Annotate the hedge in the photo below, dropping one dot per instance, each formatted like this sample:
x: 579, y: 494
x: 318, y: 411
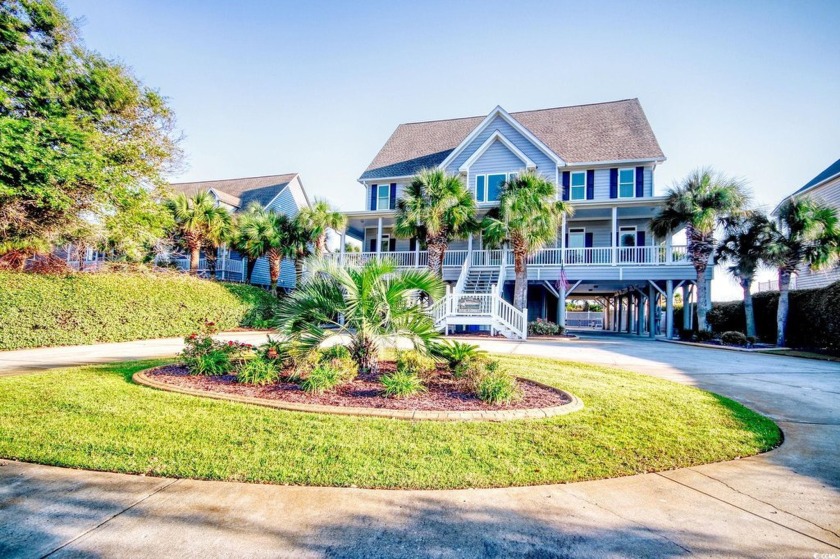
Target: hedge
x: 813, y: 318
x: 53, y: 310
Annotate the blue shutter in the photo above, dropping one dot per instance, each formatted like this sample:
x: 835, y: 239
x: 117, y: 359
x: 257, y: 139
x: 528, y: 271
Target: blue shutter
x: 588, y: 239
x: 614, y: 182
x: 565, y: 185
x: 590, y: 184
x: 393, y: 196
x: 640, y: 182
x: 373, y: 245
x: 373, y: 197
x: 412, y: 244
x: 392, y: 245
x: 640, y: 242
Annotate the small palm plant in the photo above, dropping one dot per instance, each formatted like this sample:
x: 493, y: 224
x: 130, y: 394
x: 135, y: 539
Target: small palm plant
x: 744, y: 249
x: 805, y: 233
x: 377, y: 304
x: 702, y: 202
x: 195, y: 218
x: 320, y: 218
x: 436, y: 208
x: 527, y: 218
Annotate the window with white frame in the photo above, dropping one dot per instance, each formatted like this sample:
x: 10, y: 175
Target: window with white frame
x: 578, y: 191
x: 577, y: 238
x: 488, y: 188
x: 385, y: 243
x: 626, y: 183
x: 383, y: 197
x: 626, y: 237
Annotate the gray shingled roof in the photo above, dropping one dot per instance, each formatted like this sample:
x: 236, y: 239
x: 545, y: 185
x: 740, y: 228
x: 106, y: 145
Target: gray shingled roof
x: 829, y: 172
x: 244, y: 191
x: 614, y: 131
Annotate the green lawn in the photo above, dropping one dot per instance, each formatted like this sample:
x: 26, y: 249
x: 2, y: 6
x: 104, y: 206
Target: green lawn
x: 96, y: 418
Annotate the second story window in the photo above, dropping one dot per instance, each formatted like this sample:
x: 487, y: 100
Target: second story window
x: 578, y: 191
x: 488, y: 188
x: 383, y: 197
x: 626, y: 183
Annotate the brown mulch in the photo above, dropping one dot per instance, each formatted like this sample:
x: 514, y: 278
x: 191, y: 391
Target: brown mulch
x: 444, y: 392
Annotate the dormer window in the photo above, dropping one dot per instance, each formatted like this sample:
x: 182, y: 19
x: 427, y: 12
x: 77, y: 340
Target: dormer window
x: 578, y: 191
x: 488, y: 188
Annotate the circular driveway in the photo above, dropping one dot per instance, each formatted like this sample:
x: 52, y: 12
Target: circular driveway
x: 781, y: 504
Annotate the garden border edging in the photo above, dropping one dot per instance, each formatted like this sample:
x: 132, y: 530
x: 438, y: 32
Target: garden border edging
x: 576, y: 404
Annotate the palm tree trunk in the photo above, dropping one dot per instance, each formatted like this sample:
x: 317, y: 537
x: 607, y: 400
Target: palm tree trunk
x: 211, y: 261
x: 252, y: 263
x: 81, y: 252
x: 273, y: 268
x: 195, y: 254
x: 520, y: 286
x: 298, y: 271
x: 321, y: 245
x: 701, y: 301
x: 782, y: 312
x: 436, y: 250
x: 749, y: 314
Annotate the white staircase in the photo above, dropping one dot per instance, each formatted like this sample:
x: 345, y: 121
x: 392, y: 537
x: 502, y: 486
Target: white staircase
x: 477, y: 300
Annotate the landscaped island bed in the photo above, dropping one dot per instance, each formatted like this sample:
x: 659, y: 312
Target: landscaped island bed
x: 365, y: 391
x: 95, y: 418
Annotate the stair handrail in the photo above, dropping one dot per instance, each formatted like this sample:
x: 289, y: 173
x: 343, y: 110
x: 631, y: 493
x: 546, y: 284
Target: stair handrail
x: 511, y: 317
x: 462, y: 277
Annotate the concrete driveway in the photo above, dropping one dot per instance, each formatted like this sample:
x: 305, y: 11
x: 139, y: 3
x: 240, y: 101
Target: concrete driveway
x: 785, y: 503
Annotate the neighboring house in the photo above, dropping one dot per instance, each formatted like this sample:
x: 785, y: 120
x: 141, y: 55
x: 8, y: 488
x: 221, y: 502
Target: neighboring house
x: 826, y: 188
x: 601, y: 156
x: 281, y: 193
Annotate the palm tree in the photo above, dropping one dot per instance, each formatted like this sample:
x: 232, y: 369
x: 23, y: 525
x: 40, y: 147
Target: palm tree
x: 805, y: 232
x: 194, y: 219
x: 319, y: 219
x: 704, y: 200
x: 377, y: 303
x: 527, y: 218
x: 244, y: 238
x: 745, y: 249
x: 219, y: 231
x: 263, y: 233
x: 436, y: 208
x: 297, y: 243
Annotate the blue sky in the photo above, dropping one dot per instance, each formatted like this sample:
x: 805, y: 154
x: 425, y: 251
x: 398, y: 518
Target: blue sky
x: 264, y: 87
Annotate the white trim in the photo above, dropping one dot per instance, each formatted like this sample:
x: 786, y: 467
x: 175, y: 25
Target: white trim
x: 571, y: 185
x: 633, y: 184
x: 576, y: 230
x: 626, y: 229
x: 487, y: 185
x: 497, y: 137
x: 614, y: 162
x: 499, y: 111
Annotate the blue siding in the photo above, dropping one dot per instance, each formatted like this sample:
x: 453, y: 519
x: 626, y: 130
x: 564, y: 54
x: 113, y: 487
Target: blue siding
x: 544, y: 163
x: 497, y: 159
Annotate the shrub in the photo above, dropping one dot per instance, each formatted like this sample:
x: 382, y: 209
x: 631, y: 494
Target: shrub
x: 751, y: 341
x: 733, y: 338
x: 540, y: 327
x: 321, y: 379
x: 401, y: 384
x: 338, y: 357
x: 455, y: 353
x: 686, y: 334
x: 704, y: 335
x: 414, y: 363
x: 81, y: 308
x: 276, y: 351
x: 473, y: 367
x: 257, y: 371
x: 497, y: 387
x: 813, y: 319
x: 202, y: 355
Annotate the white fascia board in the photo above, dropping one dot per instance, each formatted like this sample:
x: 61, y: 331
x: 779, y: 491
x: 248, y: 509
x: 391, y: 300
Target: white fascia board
x: 499, y: 111
x: 497, y: 137
x: 610, y: 163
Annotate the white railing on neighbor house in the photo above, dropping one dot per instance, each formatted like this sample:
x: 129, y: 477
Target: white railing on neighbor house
x: 769, y: 285
x: 89, y: 265
x: 658, y: 255
x: 231, y: 269
x: 586, y: 319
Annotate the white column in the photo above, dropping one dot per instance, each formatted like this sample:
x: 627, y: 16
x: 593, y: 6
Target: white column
x: 669, y: 252
x: 342, y: 247
x: 470, y: 248
x: 669, y: 309
x: 686, y: 307
x: 651, y: 311
x: 563, y: 234
x: 614, y: 239
x: 378, y: 237
x: 561, y: 306
x: 416, y: 253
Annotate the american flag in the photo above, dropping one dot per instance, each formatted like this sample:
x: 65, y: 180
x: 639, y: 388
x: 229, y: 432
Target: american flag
x: 562, y: 282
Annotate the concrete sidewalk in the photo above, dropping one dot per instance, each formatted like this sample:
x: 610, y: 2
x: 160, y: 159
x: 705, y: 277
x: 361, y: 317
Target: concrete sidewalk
x: 785, y: 503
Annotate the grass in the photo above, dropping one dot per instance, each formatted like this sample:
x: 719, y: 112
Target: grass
x: 95, y: 418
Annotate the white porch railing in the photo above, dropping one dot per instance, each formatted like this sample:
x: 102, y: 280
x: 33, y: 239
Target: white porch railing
x: 657, y: 255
